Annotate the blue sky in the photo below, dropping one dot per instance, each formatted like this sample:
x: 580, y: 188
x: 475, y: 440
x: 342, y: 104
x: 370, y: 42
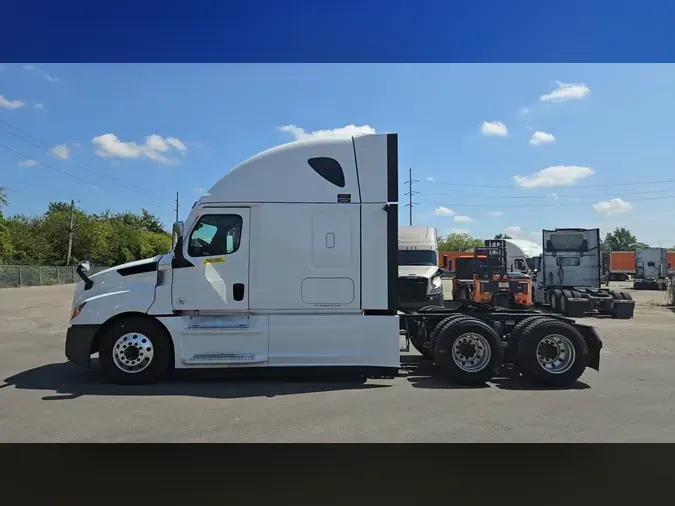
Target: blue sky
x: 610, y: 125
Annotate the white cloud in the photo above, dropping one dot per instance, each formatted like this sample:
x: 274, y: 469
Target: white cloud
x: 199, y: 190
x: 431, y: 179
x: 496, y: 213
x: 155, y: 145
x: 523, y: 111
x: 444, y: 211
x: 535, y: 237
x: 38, y: 105
x: 494, y: 128
x: 177, y: 144
x: 61, y: 151
x: 28, y: 163
x: 459, y: 231
x: 552, y: 195
x: 566, y: 91
x: 614, y: 206
x: 539, y: 138
x: 10, y: 104
x: 463, y: 219
x: 49, y: 78
x: 558, y: 175
x: 513, y: 231
x: 347, y: 131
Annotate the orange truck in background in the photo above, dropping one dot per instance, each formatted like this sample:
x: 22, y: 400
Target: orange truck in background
x: 452, y: 257
x: 622, y: 264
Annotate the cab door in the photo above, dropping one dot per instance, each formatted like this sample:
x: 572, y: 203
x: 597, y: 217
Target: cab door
x: 211, y: 290
x: 214, y: 278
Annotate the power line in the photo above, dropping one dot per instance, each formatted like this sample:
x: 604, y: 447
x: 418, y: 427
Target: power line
x: 597, y: 195
x: 546, y: 205
x: 64, y: 172
x: 513, y: 187
x: 69, y: 159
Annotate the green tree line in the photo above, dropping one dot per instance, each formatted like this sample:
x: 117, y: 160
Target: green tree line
x: 105, y: 239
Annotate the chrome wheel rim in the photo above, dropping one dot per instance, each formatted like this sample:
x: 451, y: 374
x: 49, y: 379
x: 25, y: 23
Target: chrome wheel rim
x: 471, y: 352
x: 133, y: 352
x: 555, y: 354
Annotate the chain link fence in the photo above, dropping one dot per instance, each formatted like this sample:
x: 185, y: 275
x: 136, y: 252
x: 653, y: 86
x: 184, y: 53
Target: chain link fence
x: 40, y: 275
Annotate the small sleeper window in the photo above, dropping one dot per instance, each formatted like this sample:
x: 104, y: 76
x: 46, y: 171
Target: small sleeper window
x: 329, y: 169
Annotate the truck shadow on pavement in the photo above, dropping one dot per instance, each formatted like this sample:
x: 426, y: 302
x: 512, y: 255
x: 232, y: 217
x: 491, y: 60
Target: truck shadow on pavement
x: 70, y: 382
x: 421, y: 374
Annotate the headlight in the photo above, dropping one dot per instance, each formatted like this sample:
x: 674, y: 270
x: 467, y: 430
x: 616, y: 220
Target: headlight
x: 436, y: 286
x: 77, y: 310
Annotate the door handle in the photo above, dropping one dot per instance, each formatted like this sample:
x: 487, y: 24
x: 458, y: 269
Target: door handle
x: 238, y: 291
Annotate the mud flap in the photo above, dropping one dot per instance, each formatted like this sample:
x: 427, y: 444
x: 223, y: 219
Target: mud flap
x: 594, y: 345
x: 623, y: 309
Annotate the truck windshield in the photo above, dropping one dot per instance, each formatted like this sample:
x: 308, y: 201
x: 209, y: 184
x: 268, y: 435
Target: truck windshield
x: 417, y: 257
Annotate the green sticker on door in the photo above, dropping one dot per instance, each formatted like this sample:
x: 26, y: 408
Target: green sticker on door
x: 218, y: 260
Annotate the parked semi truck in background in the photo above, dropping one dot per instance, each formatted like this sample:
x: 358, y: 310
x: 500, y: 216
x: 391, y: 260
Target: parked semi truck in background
x: 622, y: 265
x: 220, y: 300
x: 569, y: 273
x: 651, y: 269
x: 419, y: 276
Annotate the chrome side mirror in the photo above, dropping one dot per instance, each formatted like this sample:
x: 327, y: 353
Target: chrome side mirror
x: 177, y: 233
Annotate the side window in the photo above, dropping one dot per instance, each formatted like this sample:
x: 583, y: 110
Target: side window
x: 520, y: 265
x: 215, y: 234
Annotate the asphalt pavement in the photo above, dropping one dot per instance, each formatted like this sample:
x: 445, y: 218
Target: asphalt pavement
x: 46, y: 399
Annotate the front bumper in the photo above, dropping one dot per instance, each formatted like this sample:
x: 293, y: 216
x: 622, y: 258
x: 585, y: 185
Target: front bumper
x: 429, y: 300
x: 80, y: 342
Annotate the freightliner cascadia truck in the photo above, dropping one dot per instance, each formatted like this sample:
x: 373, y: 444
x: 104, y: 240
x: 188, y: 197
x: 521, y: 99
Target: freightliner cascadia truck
x: 280, y: 265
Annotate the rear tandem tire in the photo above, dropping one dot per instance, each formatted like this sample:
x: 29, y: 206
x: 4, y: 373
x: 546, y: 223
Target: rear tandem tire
x: 434, y: 332
x: 467, y: 351
x: 514, y: 337
x: 544, y: 353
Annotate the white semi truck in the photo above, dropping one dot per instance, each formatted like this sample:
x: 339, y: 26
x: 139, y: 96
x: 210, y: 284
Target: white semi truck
x: 520, y: 255
x: 419, y: 278
x: 651, y: 269
x: 327, y: 211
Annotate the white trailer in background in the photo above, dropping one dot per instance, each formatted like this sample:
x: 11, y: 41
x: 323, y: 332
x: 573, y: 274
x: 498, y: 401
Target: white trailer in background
x: 520, y: 255
x: 419, y: 278
x: 327, y: 211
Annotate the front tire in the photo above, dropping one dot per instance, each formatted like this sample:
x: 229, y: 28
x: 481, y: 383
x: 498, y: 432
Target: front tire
x: 468, y: 351
x: 135, y: 351
x: 552, y: 352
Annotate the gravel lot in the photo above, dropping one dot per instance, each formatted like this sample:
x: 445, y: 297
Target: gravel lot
x: 45, y: 399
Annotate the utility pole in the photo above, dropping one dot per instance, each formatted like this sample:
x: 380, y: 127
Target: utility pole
x: 410, y: 194
x: 176, y: 206
x: 71, y: 229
